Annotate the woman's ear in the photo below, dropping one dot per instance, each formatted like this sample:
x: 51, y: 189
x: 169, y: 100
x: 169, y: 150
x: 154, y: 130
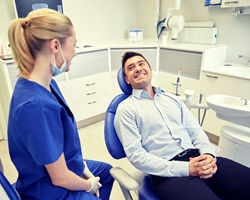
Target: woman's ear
x: 53, y: 44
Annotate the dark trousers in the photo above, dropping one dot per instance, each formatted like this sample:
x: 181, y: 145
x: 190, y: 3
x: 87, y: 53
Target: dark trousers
x: 230, y: 182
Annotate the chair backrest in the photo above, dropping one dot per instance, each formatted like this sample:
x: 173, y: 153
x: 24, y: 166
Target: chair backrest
x: 6, y: 189
x: 113, y: 143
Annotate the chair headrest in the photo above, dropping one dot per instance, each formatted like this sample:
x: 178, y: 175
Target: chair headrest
x: 126, y: 88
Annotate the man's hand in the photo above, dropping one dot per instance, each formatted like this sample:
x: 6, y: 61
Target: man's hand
x: 203, y: 166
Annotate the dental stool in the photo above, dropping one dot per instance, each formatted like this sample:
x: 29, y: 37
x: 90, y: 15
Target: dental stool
x: 126, y: 181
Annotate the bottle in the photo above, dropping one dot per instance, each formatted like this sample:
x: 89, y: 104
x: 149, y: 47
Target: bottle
x: 178, y: 82
x: 2, y: 52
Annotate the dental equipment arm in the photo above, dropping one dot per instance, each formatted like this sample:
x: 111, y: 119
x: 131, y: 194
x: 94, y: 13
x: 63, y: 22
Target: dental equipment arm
x: 174, y: 22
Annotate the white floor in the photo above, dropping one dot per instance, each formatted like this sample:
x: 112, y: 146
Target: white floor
x: 93, y: 147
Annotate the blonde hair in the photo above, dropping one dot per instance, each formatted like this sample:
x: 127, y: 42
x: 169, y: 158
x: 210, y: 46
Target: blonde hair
x: 27, y: 36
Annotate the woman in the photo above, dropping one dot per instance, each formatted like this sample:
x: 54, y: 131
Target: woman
x: 43, y: 138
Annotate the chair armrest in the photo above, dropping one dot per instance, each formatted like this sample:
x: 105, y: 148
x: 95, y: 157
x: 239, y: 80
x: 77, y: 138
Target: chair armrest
x: 124, y: 178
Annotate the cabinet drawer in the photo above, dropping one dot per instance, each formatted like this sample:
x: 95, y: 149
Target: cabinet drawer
x: 117, y: 53
x: 89, y: 63
x: 190, y: 62
x: 90, y: 108
x: 13, y: 73
x: 168, y: 83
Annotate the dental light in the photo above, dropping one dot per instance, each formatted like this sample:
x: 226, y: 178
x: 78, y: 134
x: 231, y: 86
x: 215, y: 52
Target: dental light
x: 174, y: 22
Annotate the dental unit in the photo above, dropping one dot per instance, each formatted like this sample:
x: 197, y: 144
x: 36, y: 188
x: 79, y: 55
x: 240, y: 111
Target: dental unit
x: 173, y: 22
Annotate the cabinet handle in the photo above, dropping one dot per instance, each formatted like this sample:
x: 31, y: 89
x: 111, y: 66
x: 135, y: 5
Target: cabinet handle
x: 90, y: 84
x: 91, y: 93
x: 92, y: 102
x: 210, y: 76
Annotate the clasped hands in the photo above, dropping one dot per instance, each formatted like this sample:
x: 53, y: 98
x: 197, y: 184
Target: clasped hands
x: 203, y: 166
x: 94, y: 181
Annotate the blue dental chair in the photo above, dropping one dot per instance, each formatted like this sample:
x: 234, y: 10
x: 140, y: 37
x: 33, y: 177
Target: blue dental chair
x: 7, y: 190
x: 126, y: 181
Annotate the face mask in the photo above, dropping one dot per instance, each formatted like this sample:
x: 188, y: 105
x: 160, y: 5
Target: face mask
x: 55, y: 70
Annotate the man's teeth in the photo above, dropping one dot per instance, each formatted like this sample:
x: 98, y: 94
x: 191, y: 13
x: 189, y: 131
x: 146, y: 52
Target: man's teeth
x: 140, y: 75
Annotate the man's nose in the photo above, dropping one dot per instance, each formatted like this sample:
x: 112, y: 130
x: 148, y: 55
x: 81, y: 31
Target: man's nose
x: 137, y: 68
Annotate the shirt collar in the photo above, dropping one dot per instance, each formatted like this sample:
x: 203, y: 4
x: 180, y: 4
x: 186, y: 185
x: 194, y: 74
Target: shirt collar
x: 138, y: 93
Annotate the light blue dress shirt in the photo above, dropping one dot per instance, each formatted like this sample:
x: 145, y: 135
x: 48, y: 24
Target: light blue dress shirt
x: 154, y: 130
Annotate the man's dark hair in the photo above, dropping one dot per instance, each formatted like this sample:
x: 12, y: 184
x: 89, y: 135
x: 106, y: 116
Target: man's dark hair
x: 128, y: 55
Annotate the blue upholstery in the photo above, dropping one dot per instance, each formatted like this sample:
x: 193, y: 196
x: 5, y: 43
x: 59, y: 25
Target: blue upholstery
x: 8, y: 188
x: 145, y: 192
x: 126, y: 88
x: 112, y: 141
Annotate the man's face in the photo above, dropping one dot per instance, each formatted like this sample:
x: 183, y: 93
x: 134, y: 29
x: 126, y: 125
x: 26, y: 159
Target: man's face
x: 138, y: 73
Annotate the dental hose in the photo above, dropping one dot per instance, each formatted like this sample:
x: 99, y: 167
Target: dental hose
x: 199, y: 112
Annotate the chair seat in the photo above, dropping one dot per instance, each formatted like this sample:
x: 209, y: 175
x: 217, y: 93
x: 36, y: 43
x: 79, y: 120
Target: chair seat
x: 145, y: 191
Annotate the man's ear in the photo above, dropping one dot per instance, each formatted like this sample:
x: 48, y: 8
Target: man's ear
x: 126, y: 79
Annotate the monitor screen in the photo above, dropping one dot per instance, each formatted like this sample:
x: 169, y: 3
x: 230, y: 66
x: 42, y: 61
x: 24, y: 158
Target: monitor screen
x: 23, y: 7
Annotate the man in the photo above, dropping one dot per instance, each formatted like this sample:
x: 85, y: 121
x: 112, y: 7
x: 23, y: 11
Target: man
x: 161, y: 137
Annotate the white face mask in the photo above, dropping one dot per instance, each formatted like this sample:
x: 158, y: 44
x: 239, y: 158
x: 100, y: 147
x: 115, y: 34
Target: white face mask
x: 55, y: 70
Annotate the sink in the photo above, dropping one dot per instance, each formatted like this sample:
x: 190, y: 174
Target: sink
x: 230, y: 108
x: 236, y: 69
x: 228, y: 105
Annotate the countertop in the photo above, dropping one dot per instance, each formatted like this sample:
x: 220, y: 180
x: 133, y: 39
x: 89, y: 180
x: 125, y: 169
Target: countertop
x: 154, y: 43
x: 147, y: 43
x: 230, y: 69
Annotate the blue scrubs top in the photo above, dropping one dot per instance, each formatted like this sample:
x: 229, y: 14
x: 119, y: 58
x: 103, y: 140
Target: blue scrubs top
x: 41, y: 127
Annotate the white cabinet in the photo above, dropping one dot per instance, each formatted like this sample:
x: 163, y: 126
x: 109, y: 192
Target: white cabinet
x: 8, y: 76
x: 213, y: 83
x: 89, y: 84
x: 89, y: 96
x: 233, y: 3
x: 86, y: 87
x: 170, y: 61
x: 191, y: 61
x: 150, y: 53
x: 167, y: 82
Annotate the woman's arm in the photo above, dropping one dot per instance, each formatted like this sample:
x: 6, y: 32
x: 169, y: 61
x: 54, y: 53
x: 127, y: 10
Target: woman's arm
x: 61, y: 176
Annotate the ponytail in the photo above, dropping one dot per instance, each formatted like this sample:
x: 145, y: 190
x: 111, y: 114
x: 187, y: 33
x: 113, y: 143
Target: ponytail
x: 28, y: 36
x: 19, y: 46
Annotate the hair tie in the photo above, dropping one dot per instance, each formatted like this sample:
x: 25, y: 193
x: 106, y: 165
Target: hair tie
x: 25, y: 24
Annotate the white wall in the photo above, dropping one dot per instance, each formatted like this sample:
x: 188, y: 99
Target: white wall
x: 7, y: 14
x: 233, y: 31
x: 94, y: 20
x: 104, y: 20
x: 146, y: 11
x: 101, y: 20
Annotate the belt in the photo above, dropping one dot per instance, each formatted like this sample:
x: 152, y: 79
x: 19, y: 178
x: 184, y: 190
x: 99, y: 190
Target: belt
x: 186, y: 154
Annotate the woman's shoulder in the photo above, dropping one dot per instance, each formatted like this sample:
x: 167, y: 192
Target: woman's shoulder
x: 28, y: 94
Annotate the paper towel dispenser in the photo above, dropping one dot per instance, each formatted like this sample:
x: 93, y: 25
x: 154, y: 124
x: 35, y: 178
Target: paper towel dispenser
x: 235, y: 3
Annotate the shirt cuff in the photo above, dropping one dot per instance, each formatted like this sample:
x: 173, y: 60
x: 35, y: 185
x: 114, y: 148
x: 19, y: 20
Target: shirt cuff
x: 181, y: 168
